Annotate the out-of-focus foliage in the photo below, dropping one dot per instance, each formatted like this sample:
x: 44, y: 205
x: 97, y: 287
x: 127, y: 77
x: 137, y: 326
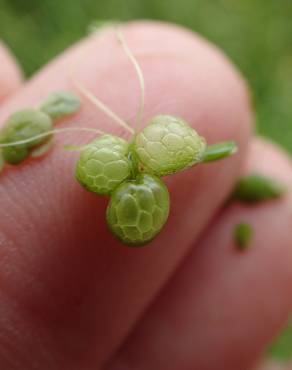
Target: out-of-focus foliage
x: 256, y: 34
x: 282, y: 348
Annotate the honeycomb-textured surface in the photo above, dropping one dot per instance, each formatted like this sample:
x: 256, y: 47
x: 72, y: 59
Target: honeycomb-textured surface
x: 138, y: 209
x: 104, y: 164
x: 24, y: 125
x: 168, y: 145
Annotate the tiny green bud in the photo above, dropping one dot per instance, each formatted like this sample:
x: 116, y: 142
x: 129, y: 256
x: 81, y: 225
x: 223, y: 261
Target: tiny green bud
x: 138, y: 210
x: 61, y: 104
x: 257, y: 188
x: 168, y: 145
x: 243, y: 234
x: 24, y: 125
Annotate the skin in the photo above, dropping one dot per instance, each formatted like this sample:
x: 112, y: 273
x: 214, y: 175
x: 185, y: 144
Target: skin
x: 73, y: 298
x: 10, y: 75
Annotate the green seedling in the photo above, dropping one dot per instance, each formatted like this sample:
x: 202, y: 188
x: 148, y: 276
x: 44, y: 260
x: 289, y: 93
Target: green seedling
x: 28, y: 132
x: 130, y: 172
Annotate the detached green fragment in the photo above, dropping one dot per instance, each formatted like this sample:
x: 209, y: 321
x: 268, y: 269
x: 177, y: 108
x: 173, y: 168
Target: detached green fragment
x: 61, y: 104
x: 257, y: 188
x: 219, y: 151
x: 243, y: 234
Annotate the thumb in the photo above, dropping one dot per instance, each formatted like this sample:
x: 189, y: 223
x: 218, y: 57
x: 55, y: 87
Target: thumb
x: 67, y: 285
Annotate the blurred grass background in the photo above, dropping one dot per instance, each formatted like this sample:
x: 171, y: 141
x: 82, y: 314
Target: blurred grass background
x: 255, y: 34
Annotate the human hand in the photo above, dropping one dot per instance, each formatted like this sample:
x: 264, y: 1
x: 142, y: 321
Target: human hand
x: 72, y: 297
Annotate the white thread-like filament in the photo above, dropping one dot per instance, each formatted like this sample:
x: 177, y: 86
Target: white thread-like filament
x: 48, y: 133
x: 139, y: 73
x: 100, y: 105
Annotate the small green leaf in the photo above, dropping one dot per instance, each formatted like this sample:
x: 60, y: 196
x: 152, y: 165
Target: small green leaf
x: 243, y: 234
x: 219, y: 151
x: 257, y: 188
x: 61, y: 104
x: 41, y: 150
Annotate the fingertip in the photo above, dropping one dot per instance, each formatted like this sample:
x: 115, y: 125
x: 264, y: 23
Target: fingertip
x: 269, y: 159
x: 185, y: 77
x: 10, y: 74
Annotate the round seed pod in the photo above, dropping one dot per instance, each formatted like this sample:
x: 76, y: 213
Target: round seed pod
x: 24, y: 125
x: 104, y: 164
x: 138, y: 210
x: 168, y: 145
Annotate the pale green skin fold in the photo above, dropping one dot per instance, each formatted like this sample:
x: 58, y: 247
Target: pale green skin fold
x: 168, y: 145
x: 24, y: 125
x: 104, y: 164
x: 138, y: 210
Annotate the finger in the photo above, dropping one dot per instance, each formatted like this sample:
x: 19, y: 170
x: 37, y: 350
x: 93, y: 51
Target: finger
x: 271, y: 365
x: 224, y: 306
x: 71, y: 279
x: 10, y: 74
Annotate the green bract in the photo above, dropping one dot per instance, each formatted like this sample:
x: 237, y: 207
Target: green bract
x: 61, y: 104
x: 24, y: 125
x: 257, y: 188
x: 138, y: 209
x: 104, y: 164
x: 168, y: 145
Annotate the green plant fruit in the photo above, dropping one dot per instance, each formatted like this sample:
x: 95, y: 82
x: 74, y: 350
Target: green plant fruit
x: 61, y: 104
x: 168, y: 145
x: 104, y: 164
x: 24, y: 125
x: 138, y: 210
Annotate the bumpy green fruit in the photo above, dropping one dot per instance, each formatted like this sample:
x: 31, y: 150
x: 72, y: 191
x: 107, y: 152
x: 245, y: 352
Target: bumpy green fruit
x: 168, y: 145
x: 104, y: 164
x: 24, y: 125
x: 138, y: 209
